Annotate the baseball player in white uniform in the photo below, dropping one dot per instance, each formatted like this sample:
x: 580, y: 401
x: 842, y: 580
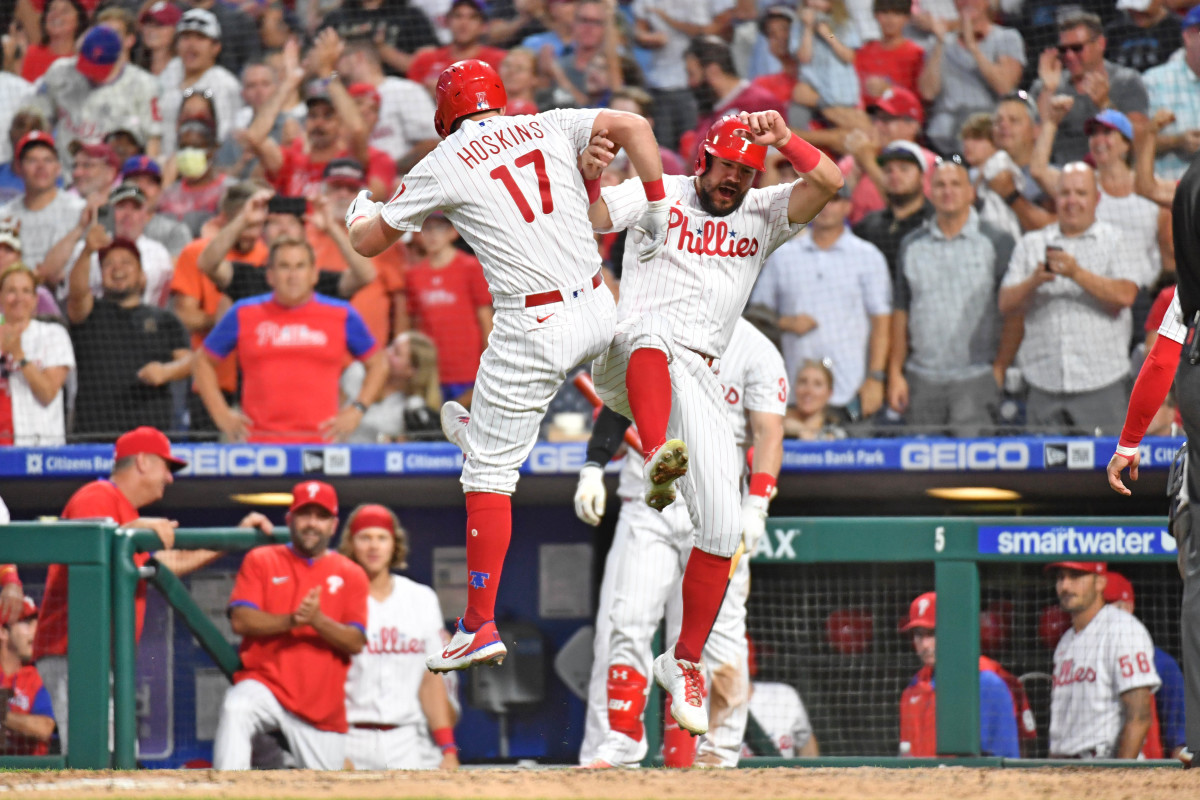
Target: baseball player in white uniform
x: 512, y: 188
x: 675, y: 319
x: 646, y: 562
x: 1101, y: 703
x: 401, y: 716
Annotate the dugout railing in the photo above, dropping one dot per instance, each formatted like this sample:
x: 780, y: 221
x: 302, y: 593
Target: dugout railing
x: 102, y: 580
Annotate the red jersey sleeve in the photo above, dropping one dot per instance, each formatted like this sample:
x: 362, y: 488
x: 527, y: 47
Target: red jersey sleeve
x: 354, y: 610
x: 1159, y: 309
x: 250, y: 587
x: 96, y: 501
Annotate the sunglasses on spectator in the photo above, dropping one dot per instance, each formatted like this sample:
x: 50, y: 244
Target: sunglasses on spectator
x: 1077, y: 48
x: 207, y: 94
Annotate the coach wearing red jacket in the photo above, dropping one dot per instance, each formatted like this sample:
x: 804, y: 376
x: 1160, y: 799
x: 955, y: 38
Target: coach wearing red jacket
x: 143, y: 468
x: 301, y: 611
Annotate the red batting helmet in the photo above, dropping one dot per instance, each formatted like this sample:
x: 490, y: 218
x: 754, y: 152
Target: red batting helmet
x: 730, y: 138
x: 466, y: 87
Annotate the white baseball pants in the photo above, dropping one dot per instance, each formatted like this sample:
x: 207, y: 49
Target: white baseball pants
x: 529, y: 354
x: 250, y: 708
x: 641, y: 585
x: 404, y: 747
x: 710, y: 489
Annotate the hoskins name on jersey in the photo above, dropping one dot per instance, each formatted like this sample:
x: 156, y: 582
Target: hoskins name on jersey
x: 494, y: 143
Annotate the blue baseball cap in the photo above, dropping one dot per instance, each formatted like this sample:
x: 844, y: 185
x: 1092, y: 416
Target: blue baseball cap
x: 1111, y: 119
x: 141, y: 165
x: 1192, y: 18
x: 98, y: 53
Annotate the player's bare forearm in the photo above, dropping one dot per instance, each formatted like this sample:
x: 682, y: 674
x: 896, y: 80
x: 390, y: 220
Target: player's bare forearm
x: 598, y: 215
x: 347, y: 638
x: 766, y: 429
x: 247, y: 621
x: 181, y: 562
x: 633, y: 133
x: 1135, y: 705
x: 435, y: 703
x: 371, y: 236
x: 32, y: 726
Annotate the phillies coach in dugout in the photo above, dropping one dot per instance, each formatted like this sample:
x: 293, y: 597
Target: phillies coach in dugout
x: 1186, y: 233
x: 301, y: 611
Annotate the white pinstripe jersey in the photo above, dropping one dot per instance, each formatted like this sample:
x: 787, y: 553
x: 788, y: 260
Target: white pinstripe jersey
x: 1172, y: 326
x: 753, y: 378
x: 512, y: 188
x: 383, y: 681
x: 703, y: 276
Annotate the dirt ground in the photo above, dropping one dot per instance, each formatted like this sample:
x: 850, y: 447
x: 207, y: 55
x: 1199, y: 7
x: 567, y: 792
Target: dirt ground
x: 953, y: 783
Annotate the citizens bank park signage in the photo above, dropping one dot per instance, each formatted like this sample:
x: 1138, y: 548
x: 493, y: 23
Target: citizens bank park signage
x: 1015, y: 454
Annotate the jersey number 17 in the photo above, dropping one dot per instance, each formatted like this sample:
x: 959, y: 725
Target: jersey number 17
x: 537, y: 160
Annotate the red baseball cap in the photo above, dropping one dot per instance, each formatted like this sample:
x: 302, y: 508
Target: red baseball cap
x: 28, y: 610
x: 900, y: 102
x: 35, y: 138
x: 147, y: 440
x: 364, y: 90
x: 99, y: 150
x: 1118, y: 588
x: 162, y: 13
x: 316, y: 493
x: 922, y: 613
x: 1093, y: 567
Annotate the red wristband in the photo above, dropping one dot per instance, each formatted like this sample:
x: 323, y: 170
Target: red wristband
x: 593, y: 189
x: 8, y: 574
x: 801, y: 155
x: 654, y: 190
x: 444, y: 739
x: 762, y: 484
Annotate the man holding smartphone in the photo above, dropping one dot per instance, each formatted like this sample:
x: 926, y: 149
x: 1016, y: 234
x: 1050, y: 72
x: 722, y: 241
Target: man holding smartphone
x: 1073, y: 282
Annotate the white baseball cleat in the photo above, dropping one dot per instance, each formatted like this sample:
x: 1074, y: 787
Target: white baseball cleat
x: 455, y: 419
x: 664, y: 466
x: 684, y: 681
x: 466, y: 649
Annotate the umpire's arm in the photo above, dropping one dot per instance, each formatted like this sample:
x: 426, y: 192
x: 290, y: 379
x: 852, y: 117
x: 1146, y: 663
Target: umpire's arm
x: 1135, y: 707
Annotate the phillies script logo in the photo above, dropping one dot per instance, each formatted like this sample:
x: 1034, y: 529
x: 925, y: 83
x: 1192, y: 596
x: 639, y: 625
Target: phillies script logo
x: 709, y: 239
x: 391, y: 642
x: 298, y: 335
x: 1068, y: 674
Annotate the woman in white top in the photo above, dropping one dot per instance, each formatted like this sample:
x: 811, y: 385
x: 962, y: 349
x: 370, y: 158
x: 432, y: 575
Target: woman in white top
x: 401, y: 715
x: 35, y: 359
x: 1144, y: 227
x: 408, y: 406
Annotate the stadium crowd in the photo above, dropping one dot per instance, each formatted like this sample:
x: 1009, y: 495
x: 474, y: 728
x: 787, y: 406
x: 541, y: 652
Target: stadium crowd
x: 174, y: 173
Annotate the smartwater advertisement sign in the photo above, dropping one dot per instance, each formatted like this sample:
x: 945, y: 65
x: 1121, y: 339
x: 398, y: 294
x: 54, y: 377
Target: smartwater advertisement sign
x: 1084, y: 541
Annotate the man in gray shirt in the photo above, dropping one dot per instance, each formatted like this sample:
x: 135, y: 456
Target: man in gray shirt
x: 46, y: 213
x: 1095, y: 84
x: 948, y: 359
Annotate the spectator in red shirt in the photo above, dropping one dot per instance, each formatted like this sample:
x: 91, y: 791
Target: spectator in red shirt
x: 28, y: 717
x: 301, y: 611
x: 142, y: 469
x: 291, y: 346
x: 333, y: 127
x: 893, y: 59
x: 467, y: 22
x: 63, y: 21
x: 715, y: 82
x: 448, y: 301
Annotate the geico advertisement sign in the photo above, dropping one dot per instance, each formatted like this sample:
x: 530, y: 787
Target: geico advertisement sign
x: 928, y: 456
x: 238, y: 462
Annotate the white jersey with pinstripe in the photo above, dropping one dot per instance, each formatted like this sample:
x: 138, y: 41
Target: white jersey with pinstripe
x: 649, y: 552
x: 1172, y: 326
x: 685, y: 302
x: 512, y: 188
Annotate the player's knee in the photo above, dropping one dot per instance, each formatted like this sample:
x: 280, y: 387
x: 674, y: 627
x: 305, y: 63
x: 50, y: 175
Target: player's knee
x: 239, y: 704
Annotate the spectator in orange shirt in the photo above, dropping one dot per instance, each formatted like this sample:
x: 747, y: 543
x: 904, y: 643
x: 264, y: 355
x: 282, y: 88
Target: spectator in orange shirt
x: 381, y: 302
x: 467, y: 22
x: 448, y: 301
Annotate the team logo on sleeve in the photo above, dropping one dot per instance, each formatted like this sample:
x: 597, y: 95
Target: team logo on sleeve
x: 335, y: 582
x: 479, y: 579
